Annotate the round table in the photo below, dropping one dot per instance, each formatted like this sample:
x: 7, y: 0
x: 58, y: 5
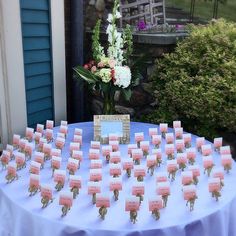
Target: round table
x: 23, y: 215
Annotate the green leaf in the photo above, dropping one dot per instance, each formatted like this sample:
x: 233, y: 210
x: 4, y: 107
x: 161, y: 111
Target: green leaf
x: 127, y: 94
x: 85, y: 74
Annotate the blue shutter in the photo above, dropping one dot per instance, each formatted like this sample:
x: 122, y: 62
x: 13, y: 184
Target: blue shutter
x: 36, y: 35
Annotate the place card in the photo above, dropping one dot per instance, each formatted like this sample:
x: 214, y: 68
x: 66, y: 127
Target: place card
x: 169, y: 150
x: 16, y: 140
x: 191, y: 155
x: 103, y: 200
x: 47, y: 149
x: 187, y: 140
x: 156, y: 140
x: 78, y: 139
x: 138, y: 189
x: 94, y: 188
x: 151, y: 160
x: 42, y: 141
x: 208, y: 164
x: 137, y: 155
x: 29, y: 149
x: 46, y: 192
x: 115, y: 157
x: 179, y: 133
x: 114, y: 145
x: 22, y: 144
x: 161, y: 176
x: 132, y: 204
x: 139, y: 172
x: 39, y: 128
x: 95, y: 175
x: 78, y: 132
x: 128, y: 165
x: 218, y: 172
x: 214, y: 187
x: 115, y: 169
x: 56, y: 163
x: 74, y: 147
x: 131, y: 147
x: 75, y: 181
x: 115, y: 184
x: 66, y: 200
x: 172, y: 168
x: 196, y: 173
x: 158, y: 153
x: 64, y: 122
x: 94, y: 154
x: 72, y: 165
x: 144, y: 145
x: 34, y: 184
x: 35, y: 167
x: 138, y: 137
x: 163, y: 128
x: 190, y: 195
x: 224, y: 150
x: 182, y: 160
x: 20, y: 160
x: 226, y: 162
x: 39, y: 157
x: 29, y: 134
x: 60, y: 176
x: 56, y: 152
x: 199, y: 142
x: 60, y: 142
x: 63, y: 129
x: 163, y: 189
x: 95, y: 145
x: 11, y: 172
x: 10, y: 149
x: 179, y: 144
x: 49, y: 124
x: 214, y: 184
x: 152, y: 131
x: 78, y: 155
x: 176, y: 124
x: 37, y: 137
x: 106, y: 150
x: 218, y: 142
x: 49, y: 135
x: 34, y: 181
x: 5, y: 158
x: 155, y: 203
x: 206, y: 149
x: 187, y: 177
x: 169, y: 138
x: 61, y: 135
x: 96, y: 164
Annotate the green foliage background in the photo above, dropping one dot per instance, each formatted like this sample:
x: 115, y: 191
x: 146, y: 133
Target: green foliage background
x: 197, y: 83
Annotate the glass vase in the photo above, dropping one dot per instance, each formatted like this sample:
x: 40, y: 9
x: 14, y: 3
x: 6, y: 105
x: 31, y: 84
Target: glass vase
x: 108, y: 103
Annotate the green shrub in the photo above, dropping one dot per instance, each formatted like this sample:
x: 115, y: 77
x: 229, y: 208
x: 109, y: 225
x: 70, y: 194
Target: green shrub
x: 197, y: 82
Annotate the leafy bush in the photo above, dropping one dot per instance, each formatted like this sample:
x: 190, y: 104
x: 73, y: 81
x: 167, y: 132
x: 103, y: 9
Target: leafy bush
x: 197, y: 82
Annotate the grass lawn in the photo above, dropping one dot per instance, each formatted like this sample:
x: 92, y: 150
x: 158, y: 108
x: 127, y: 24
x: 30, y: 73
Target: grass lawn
x: 205, y: 9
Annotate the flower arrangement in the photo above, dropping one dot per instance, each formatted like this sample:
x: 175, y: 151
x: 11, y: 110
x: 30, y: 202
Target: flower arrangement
x: 109, y: 72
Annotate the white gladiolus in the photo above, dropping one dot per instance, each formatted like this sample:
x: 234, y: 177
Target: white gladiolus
x: 110, y: 17
x: 122, y: 76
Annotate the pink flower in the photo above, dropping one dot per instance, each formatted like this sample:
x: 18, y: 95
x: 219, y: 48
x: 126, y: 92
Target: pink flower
x: 112, y: 63
x: 101, y: 64
x: 93, y: 69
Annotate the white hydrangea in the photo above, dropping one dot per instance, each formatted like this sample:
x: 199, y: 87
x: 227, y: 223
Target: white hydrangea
x: 122, y: 76
x: 110, y: 17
